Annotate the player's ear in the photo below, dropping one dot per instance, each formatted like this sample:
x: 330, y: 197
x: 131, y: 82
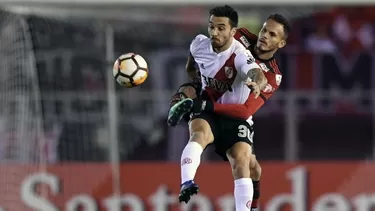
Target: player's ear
x: 281, y: 44
x: 233, y: 31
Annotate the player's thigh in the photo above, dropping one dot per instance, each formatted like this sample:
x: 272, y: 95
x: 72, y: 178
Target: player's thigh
x: 239, y: 135
x: 191, y: 90
x: 239, y: 155
x: 204, y: 125
x: 232, y: 132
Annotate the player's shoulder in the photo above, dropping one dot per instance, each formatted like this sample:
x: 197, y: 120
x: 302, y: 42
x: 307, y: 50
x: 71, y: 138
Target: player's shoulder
x: 200, y: 38
x: 244, y: 58
x: 272, y: 72
x: 271, y: 65
x: 245, y: 37
x: 241, y: 52
x: 200, y: 41
x: 238, y: 48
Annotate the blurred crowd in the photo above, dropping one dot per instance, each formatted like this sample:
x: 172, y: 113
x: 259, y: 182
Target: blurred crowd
x: 346, y: 29
x: 72, y: 68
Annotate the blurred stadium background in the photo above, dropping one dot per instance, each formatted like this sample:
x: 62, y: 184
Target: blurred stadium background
x: 72, y: 139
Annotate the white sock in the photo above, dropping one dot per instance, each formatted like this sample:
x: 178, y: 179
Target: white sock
x: 190, y: 160
x: 243, y: 194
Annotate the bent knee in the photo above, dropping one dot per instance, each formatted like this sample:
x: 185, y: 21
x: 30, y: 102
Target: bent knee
x: 240, y: 152
x: 240, y: 161
x: 200, y: 131
x: 240, y: 155
x: 240, y: 166
x: 189, y: 91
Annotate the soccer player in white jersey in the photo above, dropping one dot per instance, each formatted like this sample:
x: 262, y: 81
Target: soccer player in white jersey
x: 227, y: 71
x: 271, y: 37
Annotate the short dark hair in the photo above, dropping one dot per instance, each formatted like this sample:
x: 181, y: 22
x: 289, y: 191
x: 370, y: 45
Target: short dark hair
x: 226, y: 11
x: 283, y: 21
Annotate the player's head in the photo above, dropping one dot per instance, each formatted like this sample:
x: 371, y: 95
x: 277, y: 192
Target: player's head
x: 222, y: 25
x: 273, y: 34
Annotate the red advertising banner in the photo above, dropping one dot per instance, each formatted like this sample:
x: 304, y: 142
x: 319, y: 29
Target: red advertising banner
x: 343, y: 186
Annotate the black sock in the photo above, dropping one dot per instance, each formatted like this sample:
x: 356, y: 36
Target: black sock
x: 256, y: 186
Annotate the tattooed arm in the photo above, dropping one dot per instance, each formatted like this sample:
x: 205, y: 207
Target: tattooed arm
x: 251, y: 71
x: 257, y: 76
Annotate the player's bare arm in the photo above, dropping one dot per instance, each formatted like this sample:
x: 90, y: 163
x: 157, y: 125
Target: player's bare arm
x: 182, y: 100
x: 257, y: 81
x: 191, y: 69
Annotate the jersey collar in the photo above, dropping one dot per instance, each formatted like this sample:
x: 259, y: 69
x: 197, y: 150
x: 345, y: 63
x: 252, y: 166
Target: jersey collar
x: 256, y: 56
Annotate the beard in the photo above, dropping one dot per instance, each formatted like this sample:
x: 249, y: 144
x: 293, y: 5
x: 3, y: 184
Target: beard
x: 218, y: 45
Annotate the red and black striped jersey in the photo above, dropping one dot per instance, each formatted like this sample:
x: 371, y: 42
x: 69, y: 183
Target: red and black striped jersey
x: 271, y: 70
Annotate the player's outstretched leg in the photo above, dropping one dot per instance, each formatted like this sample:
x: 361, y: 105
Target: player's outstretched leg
x: 200, y: 136
x: 239, y: 156
x: 181, y: 104
x: 255, y: 175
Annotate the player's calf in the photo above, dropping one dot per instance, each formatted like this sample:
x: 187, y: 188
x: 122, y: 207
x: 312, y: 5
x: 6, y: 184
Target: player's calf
x: 200, y: 136
x: 256, y: 172
x: 239, y: 156
x: 181, y: 103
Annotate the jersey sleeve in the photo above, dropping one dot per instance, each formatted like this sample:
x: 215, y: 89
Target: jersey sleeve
x: 244, y: 62
x: 271, y: 87
x: 195, y: 43
x: 241, y: 111
x: 245, y: 37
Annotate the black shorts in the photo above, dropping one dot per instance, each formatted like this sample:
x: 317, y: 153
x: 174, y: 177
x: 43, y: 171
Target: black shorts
x: 227, y: 131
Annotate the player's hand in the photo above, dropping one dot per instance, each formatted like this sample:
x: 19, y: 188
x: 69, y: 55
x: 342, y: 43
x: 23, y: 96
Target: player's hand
x: 254, y: 88
x: 202, y: 105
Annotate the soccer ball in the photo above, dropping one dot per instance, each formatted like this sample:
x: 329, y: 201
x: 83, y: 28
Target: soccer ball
x: 130, y: 70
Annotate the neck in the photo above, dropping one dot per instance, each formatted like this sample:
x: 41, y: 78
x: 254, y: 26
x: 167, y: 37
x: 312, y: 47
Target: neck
x: 264, y: 55
x: 224, y: 47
